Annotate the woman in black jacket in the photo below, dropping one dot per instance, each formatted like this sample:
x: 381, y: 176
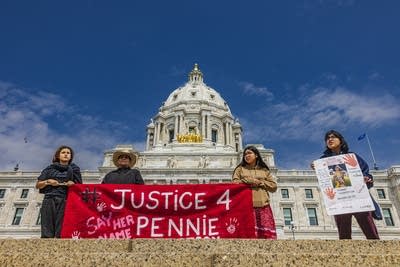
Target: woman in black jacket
x: 53, y: 182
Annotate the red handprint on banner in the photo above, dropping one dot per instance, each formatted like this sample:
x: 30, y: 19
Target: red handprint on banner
x: 330, y: 192
x: 351, y: 160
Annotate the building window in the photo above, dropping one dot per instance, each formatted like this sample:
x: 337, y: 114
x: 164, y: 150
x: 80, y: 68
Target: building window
x: 381, y: 193
x: 285, y: 193
x: 287, y: 216
x: 171, y: 135
x: 388, y: 217
x: 18, y: 216
x: 308, y: 193
x: 151, y: 139
x: 214, y: 136
x: 39, y: 219
x: 312, y: 216
x: 2, y: 193
x: 24, y: 193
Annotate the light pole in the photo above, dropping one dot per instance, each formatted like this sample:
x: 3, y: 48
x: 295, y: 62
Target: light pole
x: 292, y: 227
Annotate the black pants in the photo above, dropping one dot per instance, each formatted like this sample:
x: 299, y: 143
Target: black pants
x: 52, y: 214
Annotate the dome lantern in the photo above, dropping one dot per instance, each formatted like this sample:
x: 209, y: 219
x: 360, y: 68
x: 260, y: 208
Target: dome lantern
x: 196, y: 75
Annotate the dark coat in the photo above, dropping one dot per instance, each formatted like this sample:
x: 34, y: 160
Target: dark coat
x: 123, y: 176
x: 61, y: 173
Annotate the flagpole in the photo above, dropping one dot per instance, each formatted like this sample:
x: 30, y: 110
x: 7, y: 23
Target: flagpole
x: 372, y: 153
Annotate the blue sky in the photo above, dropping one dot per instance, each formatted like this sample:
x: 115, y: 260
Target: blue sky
x: 91, y: 74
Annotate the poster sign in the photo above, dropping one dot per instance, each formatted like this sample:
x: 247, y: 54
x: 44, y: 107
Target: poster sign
x: 159, y: 211
x: 342, y: 185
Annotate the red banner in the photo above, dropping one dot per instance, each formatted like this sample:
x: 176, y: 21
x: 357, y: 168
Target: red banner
x: 159, y: 211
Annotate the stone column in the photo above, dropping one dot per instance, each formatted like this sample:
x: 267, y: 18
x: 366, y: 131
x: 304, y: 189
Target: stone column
x: 208, y: 127
x: 203, y: 126
x: 240, y: 141
x: 148, y: 140
x: 156, y: 133
x: 229, y: 134
x: 226, y: 133
x: 176, y: 130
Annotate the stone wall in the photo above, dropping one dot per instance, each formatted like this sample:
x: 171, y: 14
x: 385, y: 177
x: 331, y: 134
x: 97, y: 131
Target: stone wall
x: 185, y: 252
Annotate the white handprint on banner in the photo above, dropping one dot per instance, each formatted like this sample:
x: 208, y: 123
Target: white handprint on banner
x: 101, y: 207
x: 75, y: 235
x: 232, y: 225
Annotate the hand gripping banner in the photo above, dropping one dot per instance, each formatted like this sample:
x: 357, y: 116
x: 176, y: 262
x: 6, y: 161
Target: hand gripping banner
x: 159, y: 211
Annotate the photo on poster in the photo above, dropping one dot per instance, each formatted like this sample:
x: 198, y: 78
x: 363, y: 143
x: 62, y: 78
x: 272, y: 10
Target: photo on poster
x: 339, y: 175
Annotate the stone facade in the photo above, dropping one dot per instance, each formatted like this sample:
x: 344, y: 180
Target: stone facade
x: 200, y: 252
x: 195, y: 139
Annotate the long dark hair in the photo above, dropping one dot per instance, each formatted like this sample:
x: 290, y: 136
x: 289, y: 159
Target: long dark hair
x: 259, y: 161
x: 344, y: 148
x: 56, y: 157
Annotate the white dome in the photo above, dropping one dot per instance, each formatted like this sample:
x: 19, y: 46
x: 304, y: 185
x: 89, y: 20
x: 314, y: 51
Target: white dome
x: 194, y: 116
x: 195, y: 94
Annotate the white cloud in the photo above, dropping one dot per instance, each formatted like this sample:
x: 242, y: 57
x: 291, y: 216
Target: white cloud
x: 373, y: 111
x: 308, y: 116
x: 375, y: 76
x: 251, y: 89
x: 328, y: 3
x: 176, y: 71
x: 329, y: 76
x: 33, y: 125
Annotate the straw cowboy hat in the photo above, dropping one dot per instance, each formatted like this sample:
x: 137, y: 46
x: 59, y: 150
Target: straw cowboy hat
x: 127, y: 152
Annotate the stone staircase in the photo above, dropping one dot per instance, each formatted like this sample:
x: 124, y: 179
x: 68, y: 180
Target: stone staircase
x: 190, y: 252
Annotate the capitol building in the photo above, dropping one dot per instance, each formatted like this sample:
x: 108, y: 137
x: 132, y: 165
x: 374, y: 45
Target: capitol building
x: 194, y: 139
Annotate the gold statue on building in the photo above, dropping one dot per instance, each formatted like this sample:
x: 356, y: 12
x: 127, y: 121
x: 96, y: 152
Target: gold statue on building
x: 189, y: 138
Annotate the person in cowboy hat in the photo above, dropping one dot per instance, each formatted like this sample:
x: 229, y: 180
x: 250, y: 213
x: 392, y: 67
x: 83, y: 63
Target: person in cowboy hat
x: 124, y: 159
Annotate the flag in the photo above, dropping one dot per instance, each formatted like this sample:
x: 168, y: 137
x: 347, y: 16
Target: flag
x: 361, y: 137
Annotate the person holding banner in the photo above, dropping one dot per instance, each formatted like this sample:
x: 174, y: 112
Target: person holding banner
x: 252, y: 170
x: 336, y: 145
x: 53, y: 182
x: 124, y: 159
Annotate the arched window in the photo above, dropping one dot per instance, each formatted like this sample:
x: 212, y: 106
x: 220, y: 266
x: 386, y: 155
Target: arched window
x: 171, y: 135
x: 151, y: 139
x: 214, y: 135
